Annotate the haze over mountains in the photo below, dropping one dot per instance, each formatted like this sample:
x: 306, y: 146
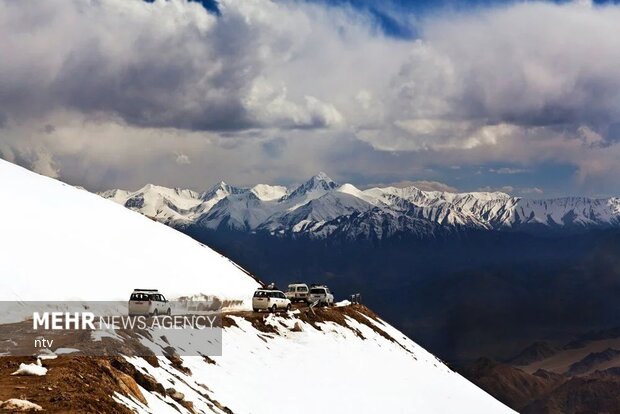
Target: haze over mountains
x: 321, y: 208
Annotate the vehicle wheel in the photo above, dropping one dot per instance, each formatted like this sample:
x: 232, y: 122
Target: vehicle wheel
x: 255, y: 310
x: 288, y: 307
x: 168, y: 312
x: 274, y: 308
x: 155, y: 313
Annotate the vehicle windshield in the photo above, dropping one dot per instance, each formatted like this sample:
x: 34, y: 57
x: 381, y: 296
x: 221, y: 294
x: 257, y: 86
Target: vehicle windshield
x: 291, y: 288
x: 318, y: 291
x: 140, y: 296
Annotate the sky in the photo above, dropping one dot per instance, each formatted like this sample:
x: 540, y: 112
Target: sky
x: 521, y: 97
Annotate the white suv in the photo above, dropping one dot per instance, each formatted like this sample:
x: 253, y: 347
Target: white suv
x: 297, y: 292
x: 148, y: 302
x: 321, y: 296
x: 271, y: 300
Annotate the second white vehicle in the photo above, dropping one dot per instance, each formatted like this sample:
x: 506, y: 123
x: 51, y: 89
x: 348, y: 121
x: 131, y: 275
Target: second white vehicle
x: 271, y: 300
x: 297, y: 292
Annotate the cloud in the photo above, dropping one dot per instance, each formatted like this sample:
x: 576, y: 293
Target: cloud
x: 471, y: 79
x: 531, y: 64
x: 166, y: 64
x: 272, y: 107
x: 508, y: 170
x: 533, y: 190
x: 424, y: 185
x: 274, y: 147
x: 44, y: 164
x: 182, y: 159
x: 504, y: 189
x: 37, y: 159
x: 526, y: 66
x: 283, y: 89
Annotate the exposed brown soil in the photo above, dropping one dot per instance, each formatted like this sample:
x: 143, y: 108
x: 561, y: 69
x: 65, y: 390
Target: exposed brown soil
x: 314, y: 317
x: 72, y: 385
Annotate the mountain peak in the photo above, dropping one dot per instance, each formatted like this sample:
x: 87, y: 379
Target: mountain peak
x: 320, y: 183
x: 321, y: 176
x: 221, y: 190
x: 147, y: 187
x: 220, y: 185
x: 268, y: 192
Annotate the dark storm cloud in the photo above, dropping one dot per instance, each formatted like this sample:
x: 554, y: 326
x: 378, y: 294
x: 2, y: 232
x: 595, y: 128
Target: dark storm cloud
x: 166, y: 64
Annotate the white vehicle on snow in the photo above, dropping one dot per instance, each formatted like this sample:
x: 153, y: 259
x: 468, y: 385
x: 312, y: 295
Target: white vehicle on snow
x: 297, y: 292
x: 271, y: 300
x: 148, y: 302
x: 321, y: 295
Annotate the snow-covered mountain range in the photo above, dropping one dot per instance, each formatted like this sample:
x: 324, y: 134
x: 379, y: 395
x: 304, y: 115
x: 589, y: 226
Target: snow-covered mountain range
x: 321, y: 208
x: 59, y: 242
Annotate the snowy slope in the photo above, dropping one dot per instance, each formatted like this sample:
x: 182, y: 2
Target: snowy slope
x: 58, y: 242
x: 320, y: 208
x: 269, y: 192
x: 357, y: 364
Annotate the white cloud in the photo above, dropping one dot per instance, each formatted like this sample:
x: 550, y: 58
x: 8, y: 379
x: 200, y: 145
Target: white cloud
x: 521, y: 84
x: 271, y: 106
x: 426, y: 185
x: 182, y: 159
x: 533, y: 190
x: 508, y: 170
x: 504, y: 189
x: 44, y: 164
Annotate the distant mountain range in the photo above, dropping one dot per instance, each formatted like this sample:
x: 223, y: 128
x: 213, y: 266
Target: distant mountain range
x: 321, y: 208
x: 576, y: 377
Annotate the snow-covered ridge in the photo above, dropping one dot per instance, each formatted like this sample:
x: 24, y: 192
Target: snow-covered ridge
x: 320, y: 207
x: 58, y: 242
x: 344, y: 359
